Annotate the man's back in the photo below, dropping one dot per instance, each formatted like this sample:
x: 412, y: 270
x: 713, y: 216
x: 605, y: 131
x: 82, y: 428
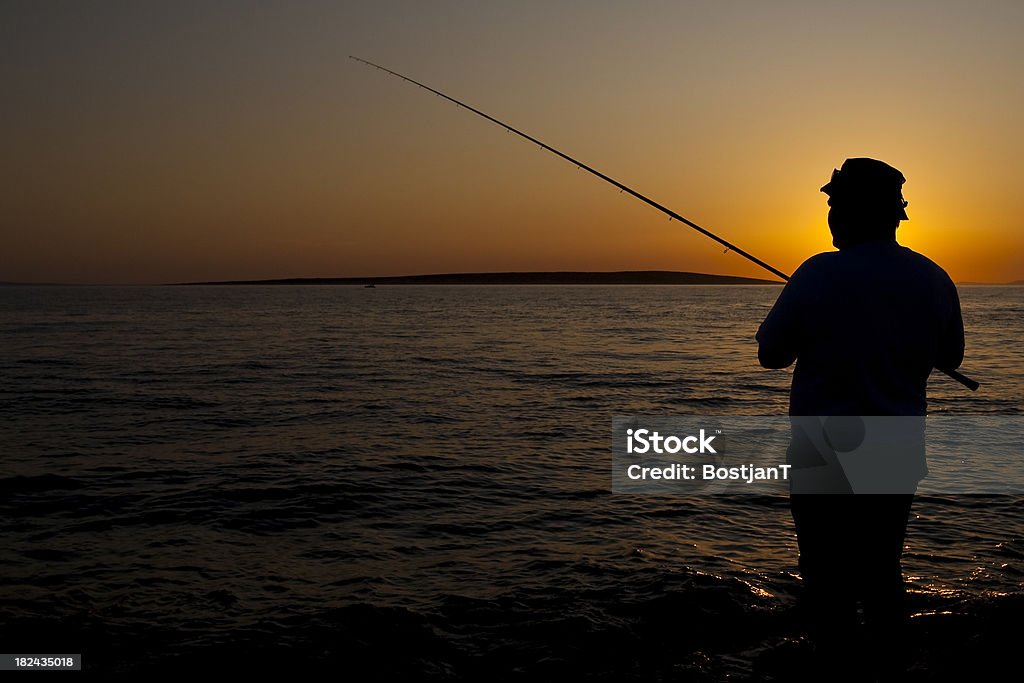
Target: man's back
x: 866, y: 325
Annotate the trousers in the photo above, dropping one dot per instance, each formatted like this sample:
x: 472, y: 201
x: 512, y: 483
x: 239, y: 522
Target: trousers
x: 850, y: 554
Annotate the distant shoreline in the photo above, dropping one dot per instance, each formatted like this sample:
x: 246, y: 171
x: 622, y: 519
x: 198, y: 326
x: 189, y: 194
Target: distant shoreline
x: 627, y: 277
x: 1015, y: 283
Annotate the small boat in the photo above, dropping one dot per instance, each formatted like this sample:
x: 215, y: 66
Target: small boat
x: 370, y: 286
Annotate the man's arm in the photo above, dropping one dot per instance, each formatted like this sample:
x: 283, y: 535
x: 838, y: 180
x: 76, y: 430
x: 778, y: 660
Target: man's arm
x: 778, y: 338
x: 951, y: 345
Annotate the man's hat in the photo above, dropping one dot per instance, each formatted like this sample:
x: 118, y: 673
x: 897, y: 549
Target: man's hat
x: 868, y: 181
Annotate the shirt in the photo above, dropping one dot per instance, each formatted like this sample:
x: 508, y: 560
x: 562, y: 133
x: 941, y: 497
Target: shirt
x: 865, y: 325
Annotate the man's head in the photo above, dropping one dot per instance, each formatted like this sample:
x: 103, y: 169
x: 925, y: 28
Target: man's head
x: 865, y: 202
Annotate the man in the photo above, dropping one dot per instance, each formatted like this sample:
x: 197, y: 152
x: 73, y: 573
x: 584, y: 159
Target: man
x: 865, y: 324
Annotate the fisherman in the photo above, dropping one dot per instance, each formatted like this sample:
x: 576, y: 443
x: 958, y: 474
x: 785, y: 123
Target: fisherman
x: 865, y: 324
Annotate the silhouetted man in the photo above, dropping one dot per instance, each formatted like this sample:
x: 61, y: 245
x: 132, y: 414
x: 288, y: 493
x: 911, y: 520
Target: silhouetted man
x: 865, y: 324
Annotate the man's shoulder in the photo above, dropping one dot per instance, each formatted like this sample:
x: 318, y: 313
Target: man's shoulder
x: 816, y: 265
x: 820, y: 259
x: 925, y: 264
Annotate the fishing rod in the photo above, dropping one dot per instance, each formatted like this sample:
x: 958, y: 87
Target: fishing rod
x: 966, y: 381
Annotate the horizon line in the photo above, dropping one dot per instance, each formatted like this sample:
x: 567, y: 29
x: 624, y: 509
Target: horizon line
x: 424, y: 278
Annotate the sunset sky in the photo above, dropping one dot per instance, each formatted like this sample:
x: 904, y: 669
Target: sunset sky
x: 173, y: 141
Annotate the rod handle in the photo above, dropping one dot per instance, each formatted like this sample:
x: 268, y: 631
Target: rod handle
x: 963, y: 379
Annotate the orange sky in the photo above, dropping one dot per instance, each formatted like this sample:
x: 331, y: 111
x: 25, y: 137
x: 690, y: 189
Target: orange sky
x: 158, y: 142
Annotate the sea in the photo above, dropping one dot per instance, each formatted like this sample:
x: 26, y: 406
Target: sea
x: 413, y: 483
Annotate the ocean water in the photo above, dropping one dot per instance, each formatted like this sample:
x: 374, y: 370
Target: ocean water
x: 413, y: 482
